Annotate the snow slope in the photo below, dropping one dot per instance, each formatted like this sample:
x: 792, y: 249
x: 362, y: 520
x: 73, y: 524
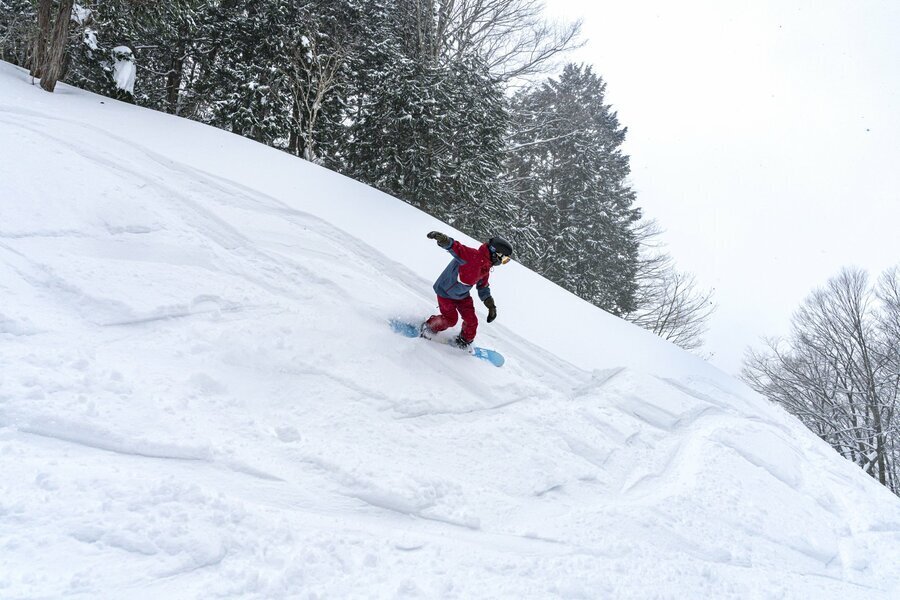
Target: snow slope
x: 200, y: 398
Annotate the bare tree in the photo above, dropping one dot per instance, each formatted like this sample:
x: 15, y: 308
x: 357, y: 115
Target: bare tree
x: 512, y: 37
x: 669, y: 302
x: 838, y: 371
x: 314, y: 72
x: 888, y: 294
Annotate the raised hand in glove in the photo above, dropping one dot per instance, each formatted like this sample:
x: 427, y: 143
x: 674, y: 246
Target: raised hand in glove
x: 442, y: 240
x: 492, y: 308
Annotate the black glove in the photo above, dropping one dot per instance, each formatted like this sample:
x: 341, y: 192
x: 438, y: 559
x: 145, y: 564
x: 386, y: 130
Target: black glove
x: 442, y: 240
x: 492, y: 308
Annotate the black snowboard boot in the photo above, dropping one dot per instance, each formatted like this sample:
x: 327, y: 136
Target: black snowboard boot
x: 425, y: 331
x: 462, y: 342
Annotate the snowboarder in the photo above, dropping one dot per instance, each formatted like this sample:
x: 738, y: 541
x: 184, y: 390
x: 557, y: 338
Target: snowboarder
x: 469, y: 267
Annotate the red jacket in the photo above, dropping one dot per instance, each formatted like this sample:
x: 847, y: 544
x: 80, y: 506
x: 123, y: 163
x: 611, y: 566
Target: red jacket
x: 469, y: 267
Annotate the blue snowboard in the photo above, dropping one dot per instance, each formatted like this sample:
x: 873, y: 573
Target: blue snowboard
x: 412, y: 331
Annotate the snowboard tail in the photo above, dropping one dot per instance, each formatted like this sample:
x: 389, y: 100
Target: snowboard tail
x: 411, y: 330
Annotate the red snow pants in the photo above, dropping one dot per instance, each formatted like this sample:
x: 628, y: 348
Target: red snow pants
x: 448, y: 317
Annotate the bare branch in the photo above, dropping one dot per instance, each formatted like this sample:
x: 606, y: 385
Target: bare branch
x: 669, y: 302
x: 839, y: 372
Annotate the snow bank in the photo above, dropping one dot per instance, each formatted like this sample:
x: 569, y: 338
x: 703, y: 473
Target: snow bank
x: 201, y: 398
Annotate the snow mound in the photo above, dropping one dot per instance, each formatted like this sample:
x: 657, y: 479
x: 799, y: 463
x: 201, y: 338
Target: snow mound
x: 201, y: 397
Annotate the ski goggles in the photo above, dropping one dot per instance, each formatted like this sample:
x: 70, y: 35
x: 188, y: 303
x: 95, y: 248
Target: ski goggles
x: 501, y: 258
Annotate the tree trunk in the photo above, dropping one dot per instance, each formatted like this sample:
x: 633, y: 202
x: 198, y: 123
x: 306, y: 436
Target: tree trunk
x: 173, y: 78
x: 57, y: 55
x: 41, y: 38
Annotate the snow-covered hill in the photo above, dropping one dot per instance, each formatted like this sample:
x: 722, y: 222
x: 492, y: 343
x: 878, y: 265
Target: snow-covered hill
x: 200, y: 397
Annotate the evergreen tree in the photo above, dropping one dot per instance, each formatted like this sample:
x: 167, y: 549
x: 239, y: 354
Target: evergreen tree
x: 425, y: 130
x: 91, y: 46
x: 165, y: 38
x: 570, y: 176
x: 17, y: 18
x: 272, y: 70
x: 266, y: 69
x: 321, y: 70
x: 244, y: 83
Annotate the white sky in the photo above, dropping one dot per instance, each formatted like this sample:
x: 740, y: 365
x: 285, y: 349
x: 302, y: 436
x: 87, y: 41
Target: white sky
x: 764, y: 137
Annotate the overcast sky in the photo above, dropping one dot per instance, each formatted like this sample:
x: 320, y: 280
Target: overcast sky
x: 764, y: 137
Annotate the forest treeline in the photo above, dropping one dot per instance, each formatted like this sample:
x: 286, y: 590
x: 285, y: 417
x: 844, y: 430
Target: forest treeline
x: 455, y: 106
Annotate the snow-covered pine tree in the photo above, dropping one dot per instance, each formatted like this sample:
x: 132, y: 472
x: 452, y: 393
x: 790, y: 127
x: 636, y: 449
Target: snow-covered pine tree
x: 425, y: 129
x: 477, y: 198
x: 570, y: 176
x: 162, y: 38
x: 91, y: 60
x: 320, y: 70
x: 244, y: 83
x: 271, y: 70
x: 17, y: 17
x: 167, y: 41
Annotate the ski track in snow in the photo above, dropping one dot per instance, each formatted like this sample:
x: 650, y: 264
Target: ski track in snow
x: 201, y: 398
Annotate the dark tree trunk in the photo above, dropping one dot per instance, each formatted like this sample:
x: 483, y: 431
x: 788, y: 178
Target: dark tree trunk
x: 41, y: 38
x: 173, y: 79
x: 56, y: 57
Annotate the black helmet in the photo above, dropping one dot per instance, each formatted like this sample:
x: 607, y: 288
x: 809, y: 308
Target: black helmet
x: 501, y: 251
